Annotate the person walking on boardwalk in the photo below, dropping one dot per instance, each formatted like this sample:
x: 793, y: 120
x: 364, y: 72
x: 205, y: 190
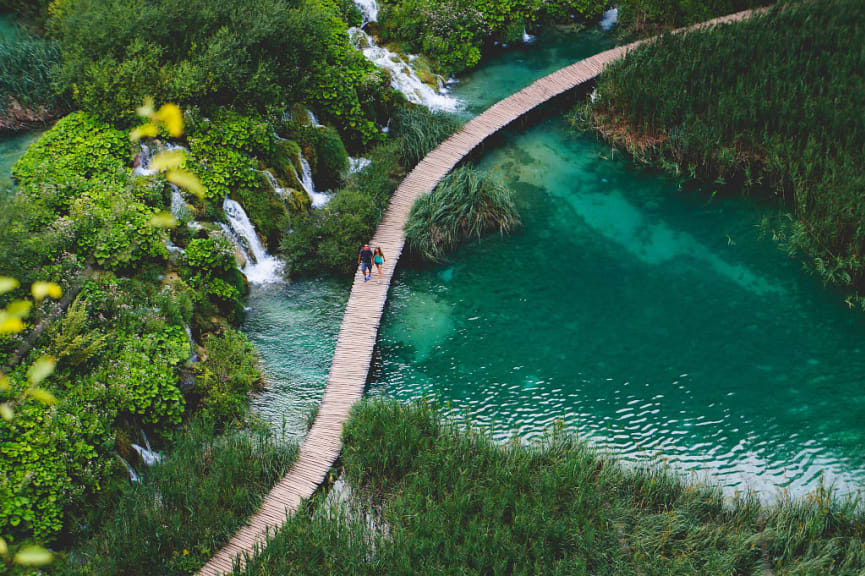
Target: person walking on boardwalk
x: 378, y: 258
x: 364, y: 258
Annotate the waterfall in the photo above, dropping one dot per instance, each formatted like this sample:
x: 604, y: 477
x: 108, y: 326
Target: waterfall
x: 609, y: 19
x: 403, y: 77
x: 312, y: 119
x: 133, y: 475
x: 355, y: 165
x: 261, y: 267
x: 527, y: 38
x: 369, y: 10
x: 148, y: 455
x: 319, y: 199
x: 144, y: 157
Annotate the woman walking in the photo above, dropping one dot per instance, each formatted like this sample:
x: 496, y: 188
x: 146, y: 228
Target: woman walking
x: 378, y: 258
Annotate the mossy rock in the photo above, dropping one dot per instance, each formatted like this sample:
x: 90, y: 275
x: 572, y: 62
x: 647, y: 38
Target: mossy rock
x: 297, y: 201
x: 286, y: 161
x: 331, y: 166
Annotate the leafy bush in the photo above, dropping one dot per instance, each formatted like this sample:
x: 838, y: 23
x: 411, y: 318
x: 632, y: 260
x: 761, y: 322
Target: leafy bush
x: 455, y: 32
x: 328, y: 239
x: 251, y: 55
x: 465, y: 205
x: 185, y: 508
x: 209, y: 267
x: 749, y: 104
x: 78, y: 146
x: 331, y: 164
x: 227, y: 372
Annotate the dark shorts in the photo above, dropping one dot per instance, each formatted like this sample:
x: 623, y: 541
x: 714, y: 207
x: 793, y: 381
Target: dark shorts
x: 365, y: 267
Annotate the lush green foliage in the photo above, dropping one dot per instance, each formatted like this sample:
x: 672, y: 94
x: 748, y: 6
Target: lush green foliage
x: 248, y: 54
x: 209, y: 267
x: 772, y: 104
x: 27, y: 68
x: 227, y: 372
x: 328, y: 239
x: 185, y: 508
x: 455, y: 32
x: 465, y: 205
x: 650, y: 15
x: 430, y: 498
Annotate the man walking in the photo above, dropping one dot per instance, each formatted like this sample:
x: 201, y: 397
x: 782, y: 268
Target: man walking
x: 364, y: 258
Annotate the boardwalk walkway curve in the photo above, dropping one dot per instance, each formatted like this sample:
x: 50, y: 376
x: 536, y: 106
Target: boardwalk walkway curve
x: 359, y: 329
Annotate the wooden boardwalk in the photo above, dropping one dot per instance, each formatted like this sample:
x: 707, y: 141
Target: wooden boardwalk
x: 359, y: 330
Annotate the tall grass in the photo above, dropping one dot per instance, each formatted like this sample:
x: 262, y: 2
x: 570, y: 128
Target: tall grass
x: 772, y: 104
x: 185, y: 508
x: 465, y: 205
x: 419, y: 131
x: 450, y: 501
x: 27, y: 70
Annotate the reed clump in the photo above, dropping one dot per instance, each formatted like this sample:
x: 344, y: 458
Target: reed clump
x: 772, y: 105
x: 27, y: 70
x: 448, y: 500
x: 466, y: 205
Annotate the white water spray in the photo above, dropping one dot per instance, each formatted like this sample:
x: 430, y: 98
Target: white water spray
x: 355, y: 165
x: 133, y: 475
x: 403, y: 77
x: 148, y: 455
x: 609, y: 19
x: 319, y: 199
x: 261, y: 267
x: 369, y: 10
x: 527, y: 38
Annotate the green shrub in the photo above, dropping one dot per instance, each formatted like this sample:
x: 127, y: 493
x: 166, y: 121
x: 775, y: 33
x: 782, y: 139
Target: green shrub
x: 226, y: 374
x: 465, y: 205
x: 251, y: 55
x: 185, y: 508
x: 332, y: 160
x: 328, y: 239
x: 210, y: 268
x: 78, y: 146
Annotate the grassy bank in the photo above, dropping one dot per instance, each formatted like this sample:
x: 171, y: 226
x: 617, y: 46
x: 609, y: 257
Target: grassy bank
x: 184, y: 509
x: 443, y: 500
x: 769, y: 105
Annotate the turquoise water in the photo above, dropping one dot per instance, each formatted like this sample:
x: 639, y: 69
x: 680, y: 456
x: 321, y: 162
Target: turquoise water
x: 653, y: 320
x: 12, y: 146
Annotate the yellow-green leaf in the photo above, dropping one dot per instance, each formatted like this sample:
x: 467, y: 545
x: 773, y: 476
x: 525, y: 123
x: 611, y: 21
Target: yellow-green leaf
x: 163, y: 220
x: 33, y: 556
x: 168, y: 159
x: 40, y: 370
x: 11, y: 325
x: 146, y: 109
x: 42, y: 289
x: 42, y: 395
x: 19, y: 308
x: 7, y: 284
x: 172, y: 118
x: 4, y: 383
x: 187, y: 180
x: 4, y: 549
x: 149, y: 130
x: 7, y: 414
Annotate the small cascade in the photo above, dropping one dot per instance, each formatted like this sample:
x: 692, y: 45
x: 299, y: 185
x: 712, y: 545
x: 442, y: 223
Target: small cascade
x: 319, y: 199
x: 369, y: 10
x: 527, y: 38
x: 609, y: 19
x: 403, y: 77
x: 261, y: 267
x: 274, y: 184
x: 179, y: 208
x: 148, y: 455
x: 193, y: 357
x: 133, y: 475
x: 355, y: 165
x: 142, y: 161
x: 313, y: 120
